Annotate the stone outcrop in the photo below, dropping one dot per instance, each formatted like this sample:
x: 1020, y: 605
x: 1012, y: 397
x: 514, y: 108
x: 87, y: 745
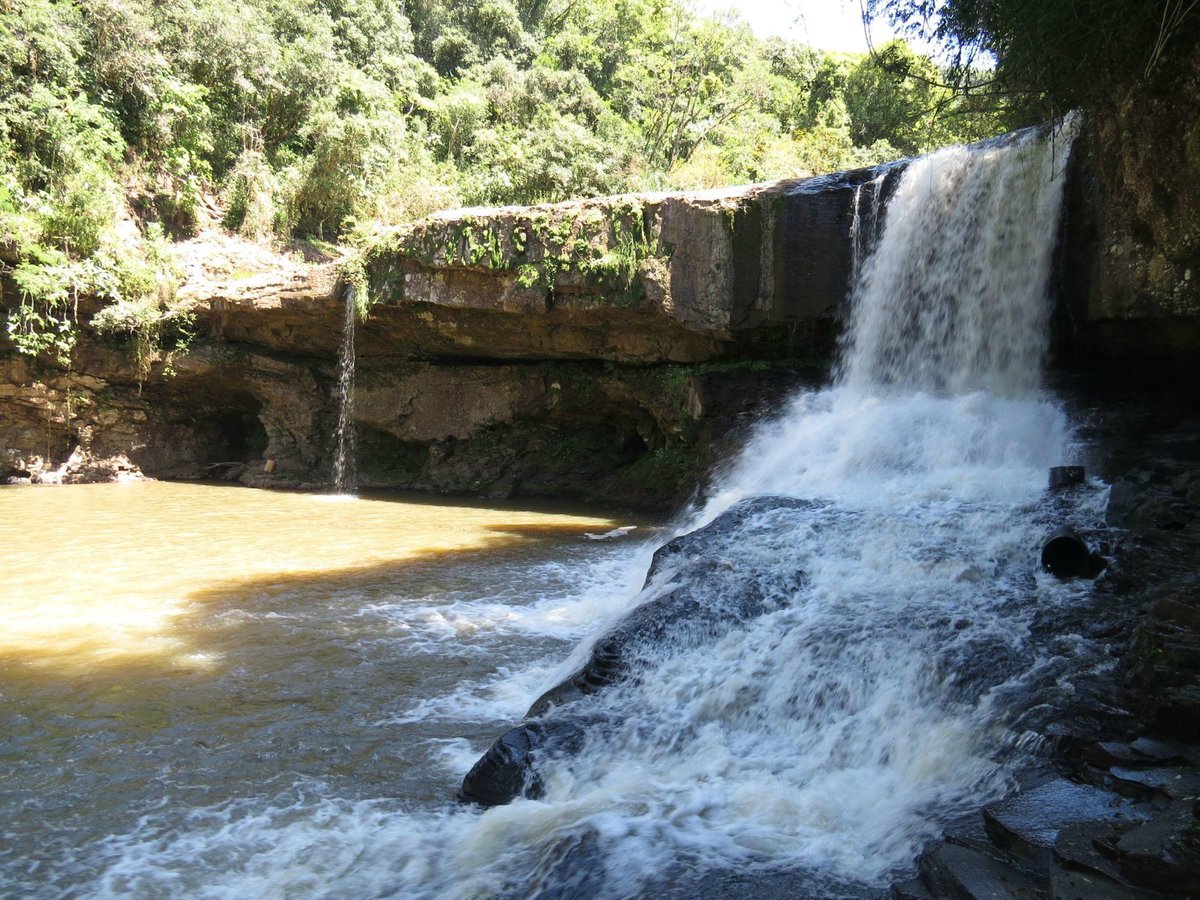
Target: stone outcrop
x: 1111, y: 810
x: 595, y: 350
x: 592, y: 349
x: 642, y: 279
x: 700, y: 586
x: 1133, y: 258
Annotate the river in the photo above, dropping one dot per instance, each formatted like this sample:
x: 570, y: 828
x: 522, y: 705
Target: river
x: 222, y: 693
x: 193, y: 676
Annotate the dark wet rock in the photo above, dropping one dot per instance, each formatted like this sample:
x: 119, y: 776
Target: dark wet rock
x: 1165, y: 752
x: 969, y: 832
x: 678, y: 617
x: 1173, y: 783
x: 1160, y: 495
x: 1132, y: 728
x: 684, y: 882
x: 606, y: 665
x: 504, y: 772
x: 1029, y: 823
x: 964, y: 874
x: 1164, y: 853
x: 1179, y: 713
x: 1091, y: 847
x: 708, y: 584
x: 1065, y: 476
x: 1112, y: 753
x: 573, y: 868
x: 1175, y: 612
x: 717, y: 588
x: 911, y: 890
x: 705, y: 544
x: 1072, y: 884
x: 507, y: 770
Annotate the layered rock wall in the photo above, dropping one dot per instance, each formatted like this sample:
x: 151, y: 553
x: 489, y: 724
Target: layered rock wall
x: 1134, y: 232
x: 597, y: 349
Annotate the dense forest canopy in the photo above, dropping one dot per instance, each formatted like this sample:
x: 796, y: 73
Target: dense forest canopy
x: 125, y: 124
x: 1053, y: 56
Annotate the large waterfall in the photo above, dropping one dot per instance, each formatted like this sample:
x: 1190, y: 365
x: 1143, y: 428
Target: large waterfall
x: 877, y: 689
x: 852, y: 648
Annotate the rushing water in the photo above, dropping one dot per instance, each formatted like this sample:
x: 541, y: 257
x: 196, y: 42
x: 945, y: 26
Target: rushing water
x: 210, y: 690
x: 292, y: 717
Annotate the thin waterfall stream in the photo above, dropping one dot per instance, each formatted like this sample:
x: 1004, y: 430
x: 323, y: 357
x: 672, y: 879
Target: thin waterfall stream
x: 343, y: 460
x: 835, y: 654
x: 864, y: 229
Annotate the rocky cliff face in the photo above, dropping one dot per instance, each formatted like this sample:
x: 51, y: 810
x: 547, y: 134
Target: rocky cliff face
x: 597, y: 350
x: 1135, y: 258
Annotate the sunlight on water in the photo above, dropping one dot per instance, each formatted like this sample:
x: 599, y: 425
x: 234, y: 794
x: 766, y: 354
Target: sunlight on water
x: 98, y: 573
x: 273, y: 665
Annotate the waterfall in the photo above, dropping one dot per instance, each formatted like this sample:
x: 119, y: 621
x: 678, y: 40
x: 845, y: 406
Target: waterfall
x: 343, y: 460
x: 847, y: 647
x: 864, y: 229
x: 885, y: 681
x: 954, y: 297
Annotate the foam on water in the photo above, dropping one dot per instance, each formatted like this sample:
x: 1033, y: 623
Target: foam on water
x: 875, y: 699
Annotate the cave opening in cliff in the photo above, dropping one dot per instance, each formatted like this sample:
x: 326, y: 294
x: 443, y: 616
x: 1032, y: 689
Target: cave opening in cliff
x: 383, y: 458
x: 208, y: 427
x: 237, y: 435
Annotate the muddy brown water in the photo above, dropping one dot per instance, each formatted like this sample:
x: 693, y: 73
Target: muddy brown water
x: 180, y: 663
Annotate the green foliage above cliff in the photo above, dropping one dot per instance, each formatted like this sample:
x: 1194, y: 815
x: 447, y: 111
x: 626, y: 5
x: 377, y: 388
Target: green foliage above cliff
x: 296, y: 118
x: 1053, y: 56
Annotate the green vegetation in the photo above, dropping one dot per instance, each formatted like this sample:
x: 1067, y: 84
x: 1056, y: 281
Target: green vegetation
x: 127, y: 123
x: 1052, y: 57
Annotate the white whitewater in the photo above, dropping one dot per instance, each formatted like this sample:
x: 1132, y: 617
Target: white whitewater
x: 343, y: 460
x: 864, y: 228
x: 953, y: 299
x: 883, y: 694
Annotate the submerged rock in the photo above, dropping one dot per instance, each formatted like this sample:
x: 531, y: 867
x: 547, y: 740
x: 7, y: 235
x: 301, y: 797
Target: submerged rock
x: 1029, y: 823
x: 707, y: 588
x: 507, y: 770
x: 1065, y: 476
x: 715, y: 591
x: 954, y: 871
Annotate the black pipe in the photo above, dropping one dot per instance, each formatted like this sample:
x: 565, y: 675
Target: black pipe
x: 1066, y: 555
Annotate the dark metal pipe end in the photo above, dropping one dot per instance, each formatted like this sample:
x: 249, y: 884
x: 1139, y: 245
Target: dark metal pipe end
x: 1066, y: 555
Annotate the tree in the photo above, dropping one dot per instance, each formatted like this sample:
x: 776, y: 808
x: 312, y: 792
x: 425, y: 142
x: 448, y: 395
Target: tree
x: 1051, y: 56
x: 892, y: 96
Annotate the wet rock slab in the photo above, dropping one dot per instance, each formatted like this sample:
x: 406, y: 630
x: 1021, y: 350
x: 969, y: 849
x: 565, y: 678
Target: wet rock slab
x: 700, y: 585
x: 1029, y: 823
x: 966, y: 874
x: 1164, y: 853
